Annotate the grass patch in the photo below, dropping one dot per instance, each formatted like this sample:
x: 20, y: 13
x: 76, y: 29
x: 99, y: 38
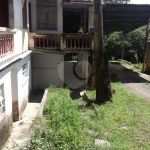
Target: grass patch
x: 125, y: 123
x: 137, y: 67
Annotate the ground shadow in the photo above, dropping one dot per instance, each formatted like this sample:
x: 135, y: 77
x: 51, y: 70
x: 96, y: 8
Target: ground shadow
x: 76, y: 93
x: 119, y: 73
x: 36, y: 96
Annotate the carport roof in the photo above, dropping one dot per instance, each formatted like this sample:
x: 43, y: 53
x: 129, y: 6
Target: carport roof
x: 125, y: 17
x: 119, y: 17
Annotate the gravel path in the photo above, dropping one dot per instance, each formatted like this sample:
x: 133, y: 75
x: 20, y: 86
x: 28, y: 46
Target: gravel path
x: 138, y: 83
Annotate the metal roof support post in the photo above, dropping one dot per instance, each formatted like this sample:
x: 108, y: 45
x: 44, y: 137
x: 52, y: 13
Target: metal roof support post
x: 123, y: 40
x: 145, y: 46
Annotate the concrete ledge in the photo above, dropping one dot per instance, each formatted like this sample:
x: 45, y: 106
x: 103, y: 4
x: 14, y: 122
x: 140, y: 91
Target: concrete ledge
x: 125, y: 61
x: 41, y: 107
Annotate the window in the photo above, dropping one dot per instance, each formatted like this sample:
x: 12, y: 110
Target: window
x: 2, y: 99
x: 4, y: 20
x: 25, y: 74
x: 47, y: 14
x: 24, y: 14
x: 25, y: 70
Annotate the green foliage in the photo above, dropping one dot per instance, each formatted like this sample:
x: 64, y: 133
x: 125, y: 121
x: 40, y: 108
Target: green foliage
x: 124, y: 123
x: 74, y: 58
x: 136, y: 57
x: 63, y: 127
x: 134, y: 42
x: 113, y: 45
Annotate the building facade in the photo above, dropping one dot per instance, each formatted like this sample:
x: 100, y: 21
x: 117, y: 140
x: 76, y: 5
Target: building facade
x: 34, y: 42
x: 15, y: 63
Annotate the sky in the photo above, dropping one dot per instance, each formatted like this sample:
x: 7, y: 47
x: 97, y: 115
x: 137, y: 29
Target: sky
x: 140, y: 1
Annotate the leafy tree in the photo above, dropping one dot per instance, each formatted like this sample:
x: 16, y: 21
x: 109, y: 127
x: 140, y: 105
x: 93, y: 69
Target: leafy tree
x: 134, y: 44
x: 116, y: 1
x: 113, y: 45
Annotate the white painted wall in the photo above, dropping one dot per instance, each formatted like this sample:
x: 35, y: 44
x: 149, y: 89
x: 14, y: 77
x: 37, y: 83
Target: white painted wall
x: 5, y: 78
x: 24, y: 84
x: 23, y: 87
x: 91, y: 18
x: 45, y: 70
x: 59, y: 23
x: 13, y: 80
x: 21, y: 36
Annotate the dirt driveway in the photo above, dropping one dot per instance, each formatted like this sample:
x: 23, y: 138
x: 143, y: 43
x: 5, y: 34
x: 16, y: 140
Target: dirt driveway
x: 138, y: 83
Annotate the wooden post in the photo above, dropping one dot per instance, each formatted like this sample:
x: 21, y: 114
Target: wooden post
x: 123, y: 45
x: 85, y: 21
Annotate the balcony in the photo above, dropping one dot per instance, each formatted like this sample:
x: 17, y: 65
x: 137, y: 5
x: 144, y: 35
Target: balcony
x: 61, y: 42
x: 6, y: 42
x: 47, y: 41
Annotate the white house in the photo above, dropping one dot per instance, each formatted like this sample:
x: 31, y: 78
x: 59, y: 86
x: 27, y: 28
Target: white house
x: 35, y: 60
x: 15, y: 63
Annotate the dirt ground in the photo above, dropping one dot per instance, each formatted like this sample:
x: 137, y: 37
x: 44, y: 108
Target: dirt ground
x: 138, y: 83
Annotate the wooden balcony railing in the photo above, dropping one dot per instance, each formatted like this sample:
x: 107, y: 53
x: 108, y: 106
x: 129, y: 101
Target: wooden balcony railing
x: 6, y: 44
x: 78, y: 42
x: 47, y: 41
x: 61, y: 42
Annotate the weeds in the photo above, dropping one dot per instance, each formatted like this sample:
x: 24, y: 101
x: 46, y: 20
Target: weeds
x: 124, y: 123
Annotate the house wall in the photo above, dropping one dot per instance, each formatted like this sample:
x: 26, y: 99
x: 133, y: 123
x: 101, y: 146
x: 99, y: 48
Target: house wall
x: 59, y: 20
x: 91, y: 18
x: 24, y: 83
x: 16, y: 88
x: 16, y: 93
x: 45, y: 70
x: 6, y: 118
x: 21, y: 36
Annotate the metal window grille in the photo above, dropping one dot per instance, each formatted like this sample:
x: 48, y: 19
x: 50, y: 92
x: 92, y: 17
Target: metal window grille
x: 2, y: 100
x: 24, y: 70
x: 47, y: 14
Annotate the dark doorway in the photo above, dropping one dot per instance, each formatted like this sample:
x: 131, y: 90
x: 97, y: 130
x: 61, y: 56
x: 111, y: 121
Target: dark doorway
x: 69, y: 20
x: 74, y: 17
x: 4, y: 13
x: 71, y: 57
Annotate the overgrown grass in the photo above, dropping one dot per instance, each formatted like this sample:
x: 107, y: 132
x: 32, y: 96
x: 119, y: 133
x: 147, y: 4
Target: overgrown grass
x: 137, y: 67
x: 125, y: 123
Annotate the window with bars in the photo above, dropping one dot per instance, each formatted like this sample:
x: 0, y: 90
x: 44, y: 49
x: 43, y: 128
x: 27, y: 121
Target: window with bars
x: 2, y: 99
x: 47, y: 14
x: 25, y: 74
x: 25, y: 70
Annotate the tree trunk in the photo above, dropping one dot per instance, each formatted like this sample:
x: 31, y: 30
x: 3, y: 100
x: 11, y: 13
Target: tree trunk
x: 101, y: 76
x: 90, y: 60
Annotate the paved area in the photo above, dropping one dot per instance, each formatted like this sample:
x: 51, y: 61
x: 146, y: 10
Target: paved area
x: 138, y: 83
x: 21, y: 129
